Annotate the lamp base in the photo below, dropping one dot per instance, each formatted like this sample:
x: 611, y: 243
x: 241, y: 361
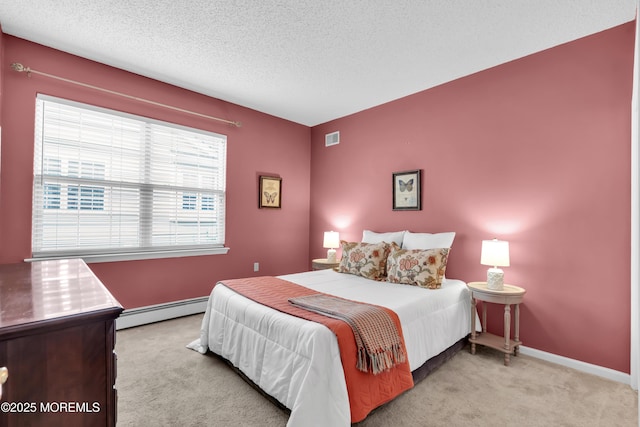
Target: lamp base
x: 331, y: 255
x: 495, y: 279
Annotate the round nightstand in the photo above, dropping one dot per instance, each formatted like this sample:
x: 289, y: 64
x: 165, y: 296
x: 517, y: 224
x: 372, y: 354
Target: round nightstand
x: 507, y: 296
x: 323, y: 264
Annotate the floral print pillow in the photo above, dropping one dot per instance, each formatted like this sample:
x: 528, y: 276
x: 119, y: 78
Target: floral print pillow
x: 368, y: 260
x: 424, y: 268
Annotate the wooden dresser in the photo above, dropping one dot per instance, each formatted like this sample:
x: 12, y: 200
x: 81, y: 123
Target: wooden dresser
x: 57, y: 335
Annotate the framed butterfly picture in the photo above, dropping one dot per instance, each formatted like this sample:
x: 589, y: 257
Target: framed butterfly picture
x: 406, y: 190
x: 270, y: 192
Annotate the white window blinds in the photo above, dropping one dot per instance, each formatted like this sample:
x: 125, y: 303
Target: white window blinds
x: 109, y: 182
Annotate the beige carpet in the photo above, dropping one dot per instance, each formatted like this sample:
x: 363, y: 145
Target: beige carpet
x: 162, y: 383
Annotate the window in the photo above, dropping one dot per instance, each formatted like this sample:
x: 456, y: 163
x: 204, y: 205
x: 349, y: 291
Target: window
x: 189, y: 201
x: 108, y: 183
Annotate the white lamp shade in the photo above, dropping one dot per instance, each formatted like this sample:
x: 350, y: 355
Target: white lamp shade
x: 495, y: 253
x: 331, y: 239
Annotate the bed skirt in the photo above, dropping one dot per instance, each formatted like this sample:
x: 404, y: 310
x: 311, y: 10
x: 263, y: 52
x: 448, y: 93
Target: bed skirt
x: 418, y: 375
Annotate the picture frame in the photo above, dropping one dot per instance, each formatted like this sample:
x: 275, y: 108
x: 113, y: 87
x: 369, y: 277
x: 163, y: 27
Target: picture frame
x: 270, y: 195
x: 407, y: 193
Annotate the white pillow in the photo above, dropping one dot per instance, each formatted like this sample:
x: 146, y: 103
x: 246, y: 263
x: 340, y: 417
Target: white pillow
x: 369, y: 236
x: 427, y: 240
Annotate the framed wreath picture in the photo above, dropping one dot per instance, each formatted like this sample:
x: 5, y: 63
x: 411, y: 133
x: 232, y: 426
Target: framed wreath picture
x: 270, y: 192
x: 406, y: 190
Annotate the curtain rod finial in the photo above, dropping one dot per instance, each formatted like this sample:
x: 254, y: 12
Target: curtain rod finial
x: 16, y: 66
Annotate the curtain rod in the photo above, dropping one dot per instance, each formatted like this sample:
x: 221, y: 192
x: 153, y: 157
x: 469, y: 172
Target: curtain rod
x: 16, y: 66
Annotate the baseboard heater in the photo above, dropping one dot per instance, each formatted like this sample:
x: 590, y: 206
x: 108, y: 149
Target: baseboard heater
x: 157, y: 313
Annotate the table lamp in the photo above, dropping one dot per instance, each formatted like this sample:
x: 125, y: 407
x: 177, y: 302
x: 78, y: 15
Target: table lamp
x: 495, y: 253
x: 331, y: 241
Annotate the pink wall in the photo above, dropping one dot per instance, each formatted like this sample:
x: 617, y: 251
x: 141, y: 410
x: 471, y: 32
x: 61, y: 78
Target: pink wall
x: 537, y: 152
x: 277, y: 239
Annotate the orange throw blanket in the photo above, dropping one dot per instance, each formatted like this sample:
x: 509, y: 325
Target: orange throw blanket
x: 366, y: 391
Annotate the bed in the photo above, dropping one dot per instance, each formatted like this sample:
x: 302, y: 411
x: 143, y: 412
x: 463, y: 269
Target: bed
x: 297, y: 362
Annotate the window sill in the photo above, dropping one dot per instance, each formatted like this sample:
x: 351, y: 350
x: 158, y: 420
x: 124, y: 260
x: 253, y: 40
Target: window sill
x: 133, y: 256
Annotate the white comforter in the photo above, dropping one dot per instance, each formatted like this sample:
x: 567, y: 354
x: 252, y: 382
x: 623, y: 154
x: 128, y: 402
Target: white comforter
x: 298, y: 362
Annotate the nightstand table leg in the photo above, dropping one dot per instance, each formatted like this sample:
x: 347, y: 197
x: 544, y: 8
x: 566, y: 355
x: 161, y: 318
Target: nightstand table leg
x: 517, y: 331
x: 473, y: 324
x: 507, y: 333
x: 484, y: 317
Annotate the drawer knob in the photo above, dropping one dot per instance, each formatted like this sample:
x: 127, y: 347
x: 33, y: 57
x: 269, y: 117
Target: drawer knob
x: 4, y: 374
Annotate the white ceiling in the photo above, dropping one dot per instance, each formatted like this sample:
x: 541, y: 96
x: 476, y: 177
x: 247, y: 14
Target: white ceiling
x: 308, y: 61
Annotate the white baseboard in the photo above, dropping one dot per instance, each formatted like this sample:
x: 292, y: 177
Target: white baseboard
x: 589, y: 368
x: 157, y: 313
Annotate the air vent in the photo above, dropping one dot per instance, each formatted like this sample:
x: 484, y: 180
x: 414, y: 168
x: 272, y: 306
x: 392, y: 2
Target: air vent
x: 332, y: 138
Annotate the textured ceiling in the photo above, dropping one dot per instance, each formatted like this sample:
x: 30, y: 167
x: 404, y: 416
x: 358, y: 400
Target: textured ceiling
x: 308, y: 61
